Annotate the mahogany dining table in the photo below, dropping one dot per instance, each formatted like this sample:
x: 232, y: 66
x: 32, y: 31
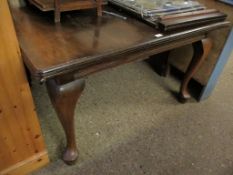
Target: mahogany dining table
x: 63, y: 54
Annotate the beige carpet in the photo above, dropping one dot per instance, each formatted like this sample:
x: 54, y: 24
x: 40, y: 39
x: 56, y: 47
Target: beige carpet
x: 129, y: 123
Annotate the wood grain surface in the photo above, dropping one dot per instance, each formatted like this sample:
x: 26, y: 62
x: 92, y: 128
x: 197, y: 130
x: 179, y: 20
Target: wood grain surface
x: 66, y: 5
x: 84, y: 40
x: 22, y: 146
x: 191, y: 21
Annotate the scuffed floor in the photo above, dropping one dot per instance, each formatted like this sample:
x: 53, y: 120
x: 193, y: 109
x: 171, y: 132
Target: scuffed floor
x: 129, y: 123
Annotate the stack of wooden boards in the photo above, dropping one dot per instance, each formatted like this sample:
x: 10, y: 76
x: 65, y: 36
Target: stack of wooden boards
x: 171, y: 16
x: 188, y: 19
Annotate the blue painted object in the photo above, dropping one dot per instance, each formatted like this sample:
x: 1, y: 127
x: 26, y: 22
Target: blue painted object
x: 224, y: 56
x: 227, y: 1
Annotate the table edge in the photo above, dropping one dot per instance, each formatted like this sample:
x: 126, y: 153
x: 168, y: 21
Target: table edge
x: 53, y: 71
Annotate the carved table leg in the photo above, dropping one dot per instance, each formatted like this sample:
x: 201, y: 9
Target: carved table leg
x: 64, y: 96
x: 201, y: 51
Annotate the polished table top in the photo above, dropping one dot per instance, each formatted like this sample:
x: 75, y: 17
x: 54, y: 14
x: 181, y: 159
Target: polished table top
x: 82, y: 39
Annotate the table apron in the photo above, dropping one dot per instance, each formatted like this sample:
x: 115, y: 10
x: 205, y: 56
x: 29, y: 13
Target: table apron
x: 136, y: 56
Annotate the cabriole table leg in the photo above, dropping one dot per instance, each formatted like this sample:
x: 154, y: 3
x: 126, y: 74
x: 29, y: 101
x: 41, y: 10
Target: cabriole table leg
x: 64, y: 96
x: 201, y: 50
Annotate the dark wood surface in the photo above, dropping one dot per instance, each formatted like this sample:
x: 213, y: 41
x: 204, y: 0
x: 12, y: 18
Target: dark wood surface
x: 188, y: 14
x: 83, y: 40
x: 194, y: 20
x: 64, y: 95
x: 66, y: 5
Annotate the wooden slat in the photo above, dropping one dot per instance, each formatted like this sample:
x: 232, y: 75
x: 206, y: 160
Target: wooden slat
x: 173, y: 24
x: 20, y: 134
x: 188, y: 14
